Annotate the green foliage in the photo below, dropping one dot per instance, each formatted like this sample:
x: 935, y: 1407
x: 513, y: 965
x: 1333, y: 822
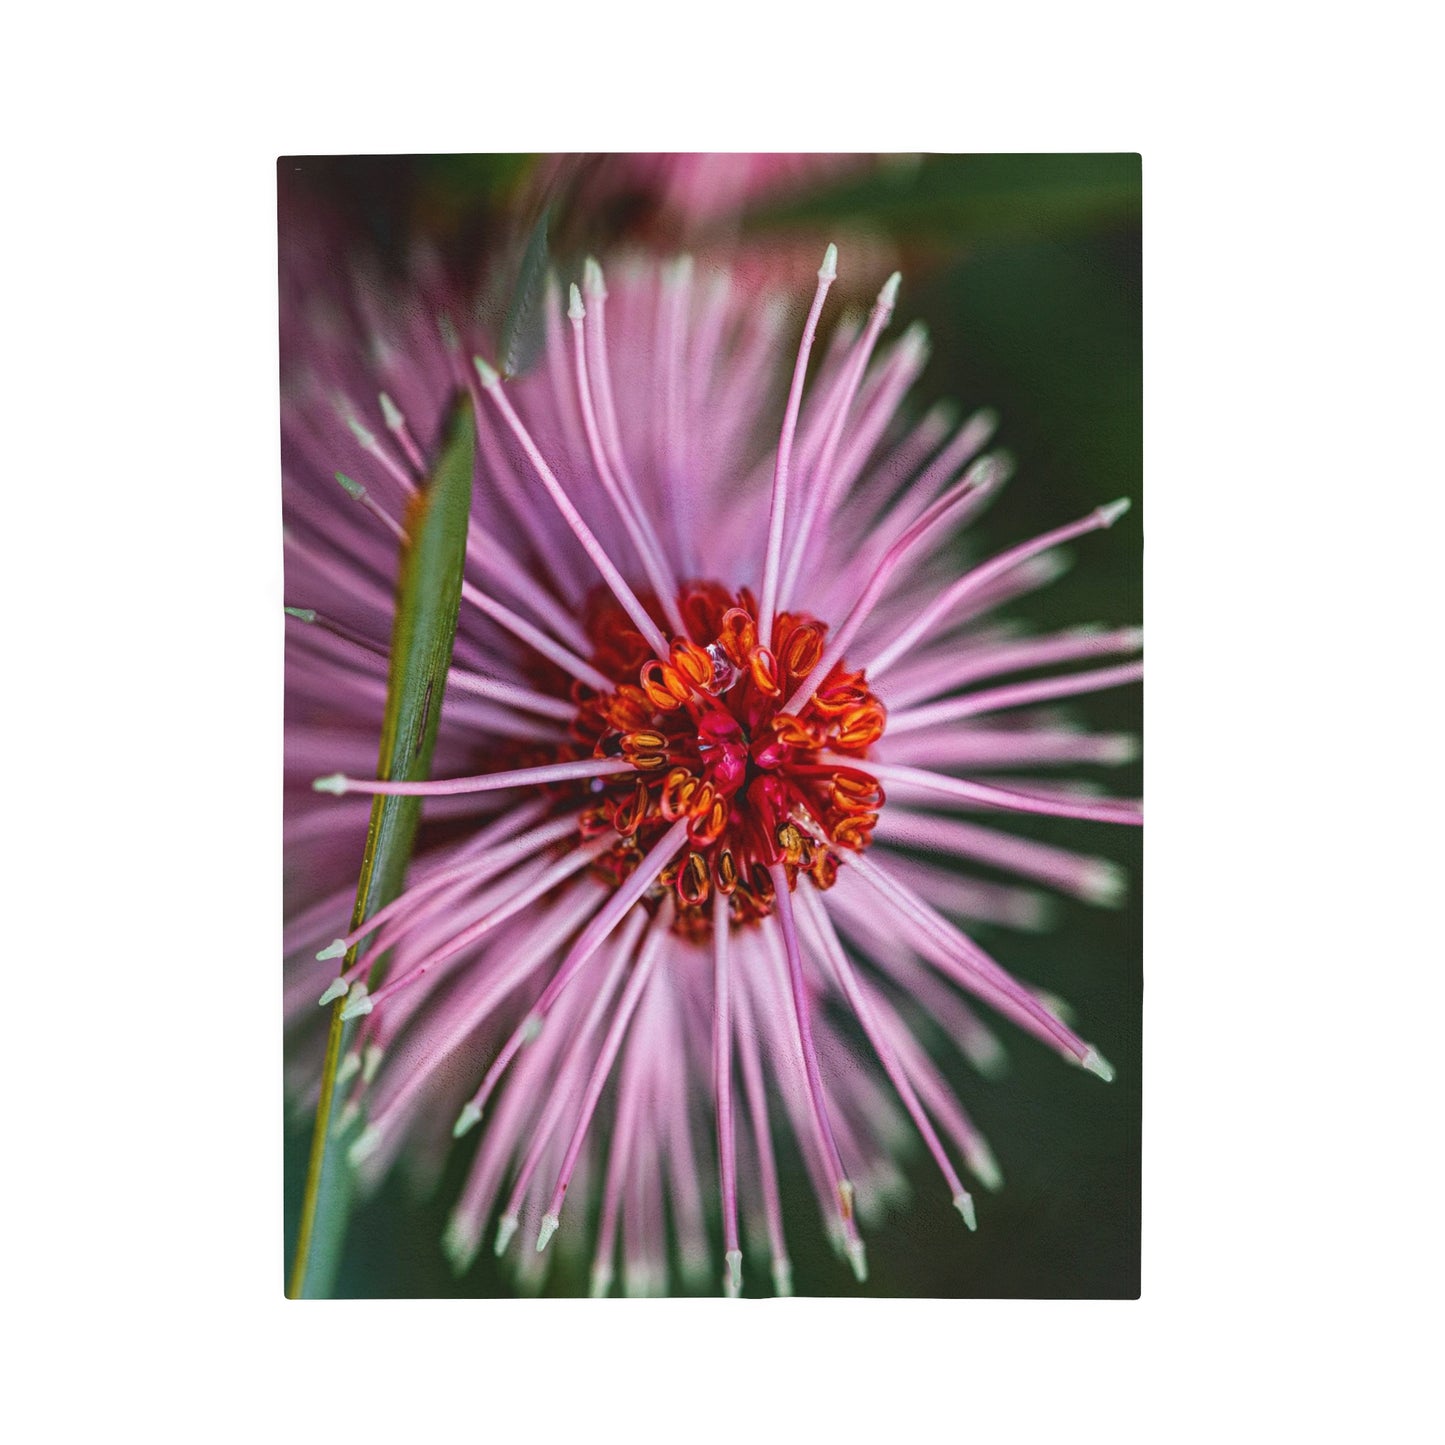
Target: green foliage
x: 966, y: 200
x: 523, y: 331
x: 428, y: 601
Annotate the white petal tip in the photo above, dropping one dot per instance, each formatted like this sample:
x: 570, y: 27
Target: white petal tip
x: 365, y: 1145
x: 370, y: 1062
x: 915, y: 340
x: 506, y: 1228
x: 1061, y: 1008
x: 360, y: 432
x: 335, y: 949
x: 357, y: 1007
x: 354, y: 490
x: 486, y: 372
x: 1096, y: 1063
x: 334, y: 990
x: 987, y: 1055
x: 459, y: 1244
x: 1110, y: 514
x: 391, y: 412
x: 467, y: 1120
x: 532, y: 1028
x: 889, y: 294
x: 783, y: 1278
x: 984, y: 423
x: 990, y: 471
x: 858, y: 1258
x: 985, y: 1167
x: 1119, y: 748
x: 596, y: 287
x: 576, y: 311
x: 695, y: 1267
x: 1040, y: 571
x: 1034, y: 913
x: 548, y: 1229
x: 601, y: 1283
x: 1104, y: 884
x: 735, y: 1269
x: 828, y: 271
x: 331, y: 783
x: 301, y: 614
x: 964, y: 1204
x: 349, y: 1067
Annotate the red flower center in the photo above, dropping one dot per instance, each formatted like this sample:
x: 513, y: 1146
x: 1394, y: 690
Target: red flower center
x: 710, y: 742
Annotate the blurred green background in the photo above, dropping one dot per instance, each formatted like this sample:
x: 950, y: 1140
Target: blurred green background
x: 1026, y: 269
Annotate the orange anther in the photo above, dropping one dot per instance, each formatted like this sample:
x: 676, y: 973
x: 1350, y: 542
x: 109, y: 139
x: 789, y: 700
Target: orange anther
x: 593, y: 822
x: 856, y: 831
x: 725, y: 871
x: 708, y: 828
x: 857, y: 787
x: 861, y: 726
x: 790, y: 840
x: 848, y: 804
x: 677, y: 789
x: 824, y: 871
x: 803, y: 650
x: 628, y: 708
x: 792, y: 731
x: 840, y: 691
x: 664, y: 686
x: 738, y: 635
x: 692, y: 662
x: 764, y: 668
x: 692, y: 880
x: 760, y: 881
x: 627, y: 816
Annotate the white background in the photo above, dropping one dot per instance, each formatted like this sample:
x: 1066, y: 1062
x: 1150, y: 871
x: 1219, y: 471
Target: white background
x: 1291, y: 1204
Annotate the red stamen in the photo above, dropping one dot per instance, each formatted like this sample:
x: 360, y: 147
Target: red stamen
x: 709, y: 745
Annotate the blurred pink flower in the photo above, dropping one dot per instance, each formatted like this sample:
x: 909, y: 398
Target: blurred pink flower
x: 707, y: 770
x: 699, y: 201
x: 696, y: 188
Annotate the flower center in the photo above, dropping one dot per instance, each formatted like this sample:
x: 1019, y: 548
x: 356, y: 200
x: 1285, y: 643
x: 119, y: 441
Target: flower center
x: 707, y: 735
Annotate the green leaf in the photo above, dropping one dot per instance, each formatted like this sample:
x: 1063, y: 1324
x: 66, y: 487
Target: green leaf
x: 967, y: 200
x: 523, y: 331
x: 428, y: 600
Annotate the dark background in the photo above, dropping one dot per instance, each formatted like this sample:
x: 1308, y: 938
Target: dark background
x: 1027, y: 270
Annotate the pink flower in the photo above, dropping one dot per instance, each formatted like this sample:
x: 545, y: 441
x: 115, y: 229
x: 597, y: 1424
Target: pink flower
x: 690, y: 189
x: 697, y: 201
x: 708, y: 767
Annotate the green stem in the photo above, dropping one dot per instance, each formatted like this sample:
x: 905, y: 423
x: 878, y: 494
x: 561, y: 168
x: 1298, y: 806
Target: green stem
x: 322, y: 1127
x: 428, y: 597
